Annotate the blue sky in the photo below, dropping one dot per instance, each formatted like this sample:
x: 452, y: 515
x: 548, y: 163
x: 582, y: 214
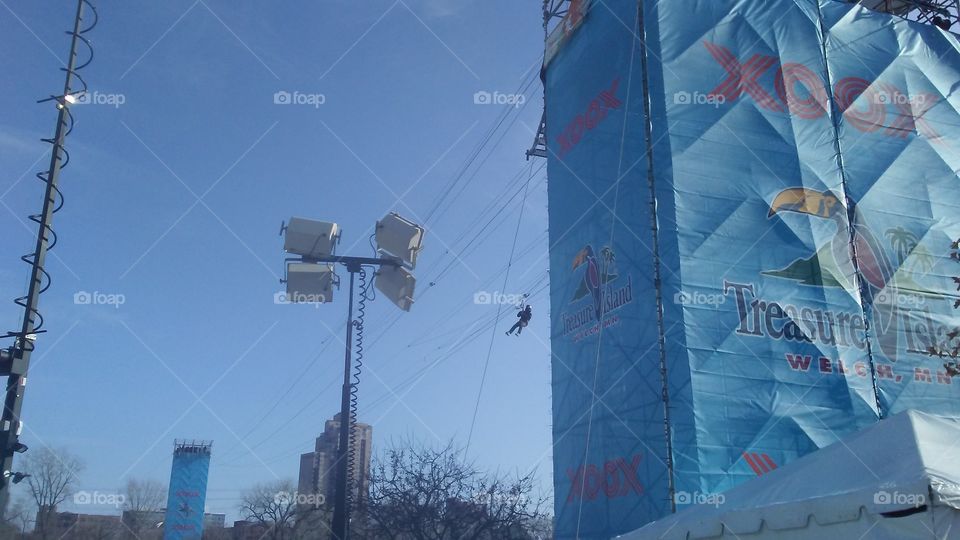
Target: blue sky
x: 174, y: 200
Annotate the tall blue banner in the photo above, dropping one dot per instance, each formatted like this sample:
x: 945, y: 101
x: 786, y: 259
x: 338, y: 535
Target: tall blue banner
x: 188, y: 492
x: 610, y: 453
x: 752, y: 214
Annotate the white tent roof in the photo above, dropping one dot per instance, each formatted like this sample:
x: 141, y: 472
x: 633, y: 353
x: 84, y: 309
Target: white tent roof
x: 888, y: 467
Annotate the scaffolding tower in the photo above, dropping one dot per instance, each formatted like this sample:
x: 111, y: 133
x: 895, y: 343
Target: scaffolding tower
x: 942, y: 13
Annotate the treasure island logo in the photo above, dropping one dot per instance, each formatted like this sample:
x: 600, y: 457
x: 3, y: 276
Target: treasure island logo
x: 598, y: 285
x: 897, y: 306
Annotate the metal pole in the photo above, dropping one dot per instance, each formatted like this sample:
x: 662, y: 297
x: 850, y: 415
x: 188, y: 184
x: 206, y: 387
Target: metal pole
x: 341, y: 512
x: 10, y: 420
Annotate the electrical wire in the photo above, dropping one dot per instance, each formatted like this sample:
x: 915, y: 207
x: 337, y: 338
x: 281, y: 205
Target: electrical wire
x: 293, y: 383
x: 395, y: 318
x: 438, y: 202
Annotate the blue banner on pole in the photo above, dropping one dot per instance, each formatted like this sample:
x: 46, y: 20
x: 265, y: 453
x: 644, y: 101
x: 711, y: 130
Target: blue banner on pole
x: 188, y: 492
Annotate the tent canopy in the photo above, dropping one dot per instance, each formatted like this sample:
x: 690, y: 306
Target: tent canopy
x: 909, y: 462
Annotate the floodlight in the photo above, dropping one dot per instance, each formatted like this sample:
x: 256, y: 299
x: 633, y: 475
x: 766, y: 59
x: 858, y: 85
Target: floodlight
x: 309, y: 283
x: 17, y: 476
x: 399, y: 237
x: 396, y: 283
x: 309, y: 238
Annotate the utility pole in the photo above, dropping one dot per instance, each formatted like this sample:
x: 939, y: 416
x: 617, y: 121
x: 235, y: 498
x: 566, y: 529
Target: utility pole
x: 15, y: 360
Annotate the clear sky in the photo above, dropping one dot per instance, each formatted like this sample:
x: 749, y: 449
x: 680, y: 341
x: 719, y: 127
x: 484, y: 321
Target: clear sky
x: 182, y: 170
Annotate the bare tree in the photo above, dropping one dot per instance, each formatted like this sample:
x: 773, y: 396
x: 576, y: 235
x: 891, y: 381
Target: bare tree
x: 142, y: 501
x: 313, y: 523
x: 272, y: 505
x: 16, y: 519
x: 53, y: 477
x: 429, y: 494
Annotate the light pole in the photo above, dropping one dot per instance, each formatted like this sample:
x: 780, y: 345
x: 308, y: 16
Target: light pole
x: 310, y: 279
x: 15, y: 360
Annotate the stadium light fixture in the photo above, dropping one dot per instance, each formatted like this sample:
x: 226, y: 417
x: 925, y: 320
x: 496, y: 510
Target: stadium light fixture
x: 399, y: 237
x: 397, y: 284
x: 310, y: 278
x: 309, y: 238
x: 309, y: 283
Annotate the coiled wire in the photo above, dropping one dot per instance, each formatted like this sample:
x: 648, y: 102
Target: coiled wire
x: 32, y: 314
x: 365, y: 295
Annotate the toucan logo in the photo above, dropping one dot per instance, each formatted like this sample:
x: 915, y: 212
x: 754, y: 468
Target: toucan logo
x: 598, y: 277
x: 597, y: 273
x: 854, y: 258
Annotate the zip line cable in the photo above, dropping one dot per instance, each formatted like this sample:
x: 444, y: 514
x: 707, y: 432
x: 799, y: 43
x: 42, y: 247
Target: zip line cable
x: 453, y: 350
x: 613, y: 227
x: 396, y: 317
x: 448, y: 316
x: 493, y: 334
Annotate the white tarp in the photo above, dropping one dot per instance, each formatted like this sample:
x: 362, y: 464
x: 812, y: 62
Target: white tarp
x: 899, y: 478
